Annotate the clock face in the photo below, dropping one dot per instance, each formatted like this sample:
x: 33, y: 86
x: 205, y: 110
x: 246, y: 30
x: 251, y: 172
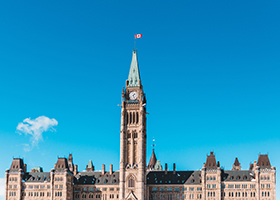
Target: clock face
x: 133, y: 95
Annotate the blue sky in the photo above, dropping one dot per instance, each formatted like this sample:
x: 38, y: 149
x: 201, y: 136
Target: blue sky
x: 210, y: 70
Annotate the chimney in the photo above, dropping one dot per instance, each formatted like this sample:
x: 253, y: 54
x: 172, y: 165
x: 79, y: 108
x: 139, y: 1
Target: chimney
x: 103, y: 169
x: 75, y: 170
x: 255, y: 164
x: 174, y: 168
x: 25, y: 168
x: 165, y: 168
x: 111, y: 169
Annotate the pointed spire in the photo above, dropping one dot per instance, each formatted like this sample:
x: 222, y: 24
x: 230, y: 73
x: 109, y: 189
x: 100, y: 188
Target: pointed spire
x: 236, y: 162
x: 134, y: 75
x: 236, y: 165
x: 90, y: 166
x: 153, y: 160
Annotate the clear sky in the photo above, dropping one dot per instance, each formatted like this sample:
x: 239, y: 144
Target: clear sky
x: 210, y: 70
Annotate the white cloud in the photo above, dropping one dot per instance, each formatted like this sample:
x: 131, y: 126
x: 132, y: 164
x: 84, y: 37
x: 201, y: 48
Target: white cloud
x: 35, y: 128
x: 2, y: 188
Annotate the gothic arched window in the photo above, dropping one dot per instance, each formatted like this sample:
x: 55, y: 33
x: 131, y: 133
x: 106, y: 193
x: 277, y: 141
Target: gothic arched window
x: 131, y: 182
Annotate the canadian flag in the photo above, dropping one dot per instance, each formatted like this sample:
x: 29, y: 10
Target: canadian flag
x: 138, y: 36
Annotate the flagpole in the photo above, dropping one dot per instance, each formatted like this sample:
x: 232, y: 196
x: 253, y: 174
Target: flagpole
x: 134, y: 43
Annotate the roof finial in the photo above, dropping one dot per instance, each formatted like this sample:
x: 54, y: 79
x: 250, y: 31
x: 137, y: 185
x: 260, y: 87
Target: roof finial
x: 153, y: 145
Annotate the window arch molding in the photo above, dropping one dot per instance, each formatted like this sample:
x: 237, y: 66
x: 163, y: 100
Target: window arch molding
x: 131, y: 179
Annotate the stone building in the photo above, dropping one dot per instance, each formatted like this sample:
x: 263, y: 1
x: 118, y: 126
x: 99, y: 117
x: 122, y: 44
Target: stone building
x: 136, y: 179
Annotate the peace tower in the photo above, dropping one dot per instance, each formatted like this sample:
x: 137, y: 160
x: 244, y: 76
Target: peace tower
x: 133, y: 136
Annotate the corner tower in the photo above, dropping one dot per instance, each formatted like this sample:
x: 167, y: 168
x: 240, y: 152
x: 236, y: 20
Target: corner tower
x: 133, y: 136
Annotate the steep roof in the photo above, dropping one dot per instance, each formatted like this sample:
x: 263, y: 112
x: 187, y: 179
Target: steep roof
x: 158, y: 165
x: 180, y: 177
x: 90, y: 166
x: 61, y: 164
x: 237, y: 175
x: 97, y: 178
x: 211, y: 161
x: 134, y: 75
x: 236, y: 162
x: 263, y: 161
x: 17, y: 164
x: 153, y: 161
x: 37, y: 177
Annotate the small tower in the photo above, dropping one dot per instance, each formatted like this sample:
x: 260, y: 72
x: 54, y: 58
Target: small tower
x: 70, y: 163
x: 211, y: 174
x: 236, y: 165
x: 90, y: 167
x: 153, y: 161
x: 211, y: 161
x: 263, y: 162
x: 15, y: 174
x: 158, y: 166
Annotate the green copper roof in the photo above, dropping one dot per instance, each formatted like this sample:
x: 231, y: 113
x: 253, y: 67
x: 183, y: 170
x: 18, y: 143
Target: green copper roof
x: 89, y: 164
x: 158, y: 165
x: 134, y: 75
x: 39, y: 169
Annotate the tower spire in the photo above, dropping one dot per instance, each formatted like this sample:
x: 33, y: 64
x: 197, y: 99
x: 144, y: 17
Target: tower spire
x: 134, y: 75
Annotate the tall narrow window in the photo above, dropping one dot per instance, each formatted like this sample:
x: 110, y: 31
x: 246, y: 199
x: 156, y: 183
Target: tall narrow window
x: 133, y: 117
x: 131, y: 183
x: 137, y: 118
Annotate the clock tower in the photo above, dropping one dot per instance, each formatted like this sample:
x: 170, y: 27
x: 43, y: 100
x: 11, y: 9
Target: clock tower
x: 133, y: 137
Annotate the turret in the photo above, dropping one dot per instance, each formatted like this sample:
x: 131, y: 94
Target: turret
x: 153, y: 160
x: 70, y: 163
x: 211, y: 161
x: 89, y: 167
x: 236, y: 165
x: 61, y: 164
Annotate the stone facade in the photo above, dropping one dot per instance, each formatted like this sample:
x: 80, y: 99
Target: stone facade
x: 135, y: 179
